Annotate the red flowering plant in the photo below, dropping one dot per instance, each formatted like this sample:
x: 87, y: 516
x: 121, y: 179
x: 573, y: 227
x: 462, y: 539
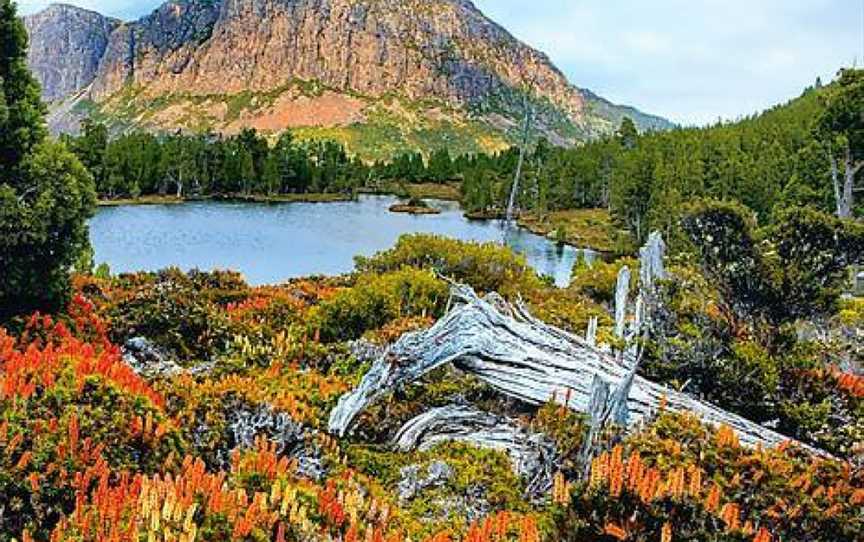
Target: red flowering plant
x: 68, y: 404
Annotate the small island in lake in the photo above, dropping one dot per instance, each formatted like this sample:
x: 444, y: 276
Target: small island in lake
x: 415, y: 206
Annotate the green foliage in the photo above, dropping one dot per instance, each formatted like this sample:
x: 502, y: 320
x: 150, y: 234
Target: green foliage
x: 841, y: 124
x: 627, y: 133
x: 724, y: 236
x: 598, y: 280
x: 567, y: 429
x: 486, y: 267
x: 813, y: 408
x: 476, y: 472
x: 43, y: 229
x: 137, y: 164
x: 794, y: 269
x: 376, y: 300
x: 169, y: 308
x: 813, y: 253
x: 46, y: 196
x: 21, y: 109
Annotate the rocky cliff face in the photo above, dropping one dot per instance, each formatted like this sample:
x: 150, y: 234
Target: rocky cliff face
x: 186, y: 64
x: 67, y: 45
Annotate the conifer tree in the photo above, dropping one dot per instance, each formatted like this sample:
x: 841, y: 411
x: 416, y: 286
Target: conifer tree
x: 46, y: 195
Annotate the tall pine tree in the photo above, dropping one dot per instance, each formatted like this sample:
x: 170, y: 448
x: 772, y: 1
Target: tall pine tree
x: 21, y: 110
x: 46, y: 195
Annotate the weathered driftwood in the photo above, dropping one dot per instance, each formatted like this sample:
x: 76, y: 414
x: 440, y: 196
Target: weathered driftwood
x: 622, y: 292
x: 591, y: 334
x: 532, y: 454
x: 520, y: 356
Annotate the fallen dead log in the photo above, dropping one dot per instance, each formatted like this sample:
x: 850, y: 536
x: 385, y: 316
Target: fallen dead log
x: 522, y: 357
x: 504, y: 346
x: 531, y: 454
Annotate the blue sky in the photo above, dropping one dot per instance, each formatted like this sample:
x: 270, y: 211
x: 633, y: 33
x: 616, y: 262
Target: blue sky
x: 692, y: 61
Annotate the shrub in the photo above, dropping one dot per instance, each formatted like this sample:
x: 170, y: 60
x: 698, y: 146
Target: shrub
x: 486, y: 267
x: 175, y: 310
x: 46, y: 195
x: 792, y: 270
x: 677, y: 479
x: 43, y: 229
x: 377, y: 300
x: 70, y: 408
x: 598, y: 281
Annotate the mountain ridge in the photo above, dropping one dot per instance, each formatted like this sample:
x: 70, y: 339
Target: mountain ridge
x: 425, y: 69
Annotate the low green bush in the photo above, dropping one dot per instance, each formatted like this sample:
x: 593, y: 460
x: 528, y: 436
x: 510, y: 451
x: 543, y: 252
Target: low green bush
x: 376, y: 300
x: 486, y: 267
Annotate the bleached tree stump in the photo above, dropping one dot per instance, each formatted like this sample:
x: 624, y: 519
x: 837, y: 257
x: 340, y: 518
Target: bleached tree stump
x: 506, y: 347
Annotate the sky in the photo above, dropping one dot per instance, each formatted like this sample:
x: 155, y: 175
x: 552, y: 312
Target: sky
x: 691, y: 61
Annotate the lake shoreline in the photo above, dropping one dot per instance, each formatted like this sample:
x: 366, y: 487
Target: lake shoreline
x: 272, y: 243
x: 228, y: 198
x: 591, y: 237
x: 567, y: 228
x: 440, y: 191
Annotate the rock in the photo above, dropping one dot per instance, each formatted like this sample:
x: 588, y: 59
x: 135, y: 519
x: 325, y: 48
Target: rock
x: 474, y: 506
x: 414, y: 479
x: 365, y: 351
x: 414, y: 210
x: 148, y: 360
x: 247, y: 423
x: 67, y: 44
x: 443, y: 51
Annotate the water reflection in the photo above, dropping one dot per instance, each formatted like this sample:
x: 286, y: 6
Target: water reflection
x: 271, y: 243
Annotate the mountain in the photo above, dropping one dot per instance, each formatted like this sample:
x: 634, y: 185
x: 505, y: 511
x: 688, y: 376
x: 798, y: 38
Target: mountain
x: 380, y: 75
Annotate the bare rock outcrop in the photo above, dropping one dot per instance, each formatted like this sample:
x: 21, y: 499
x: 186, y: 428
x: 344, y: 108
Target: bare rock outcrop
x: 67, y: 44
x: 441, y: 50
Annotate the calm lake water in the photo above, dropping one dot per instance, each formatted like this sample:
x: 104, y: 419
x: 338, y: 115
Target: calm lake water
x: 270, y: 243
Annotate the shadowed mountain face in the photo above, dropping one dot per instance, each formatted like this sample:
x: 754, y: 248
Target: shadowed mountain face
x: 67, y: 44
x: 406, y: 73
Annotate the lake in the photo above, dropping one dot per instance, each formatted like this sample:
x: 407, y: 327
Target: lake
x: 270, y: 243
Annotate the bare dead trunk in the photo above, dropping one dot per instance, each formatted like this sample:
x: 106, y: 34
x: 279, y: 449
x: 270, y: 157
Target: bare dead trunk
x: 842, y: 210
x: 852, y: 169
x: 524, y: 358
x: 514, y: 190
x: 844, y: 188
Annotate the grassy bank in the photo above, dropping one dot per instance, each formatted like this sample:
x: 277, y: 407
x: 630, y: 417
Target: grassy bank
x: 447, y: 191
x: 143, y: 200
x: 584, y: 228
x: 279, y: 198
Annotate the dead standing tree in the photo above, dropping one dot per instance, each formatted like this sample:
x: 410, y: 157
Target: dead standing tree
x: 527, y: 112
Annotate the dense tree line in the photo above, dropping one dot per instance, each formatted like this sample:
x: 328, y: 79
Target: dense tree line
x: 244, y: 164
x: 770, y: 162
x: 139, y: 163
